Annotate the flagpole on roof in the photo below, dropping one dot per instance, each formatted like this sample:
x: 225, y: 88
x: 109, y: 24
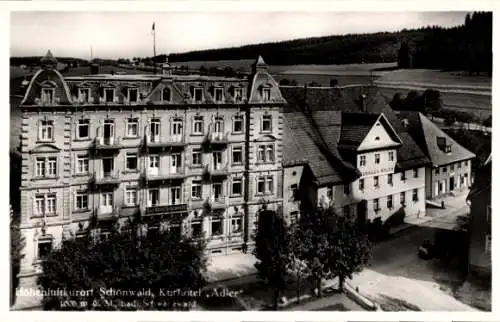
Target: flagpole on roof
x: 154, y: 47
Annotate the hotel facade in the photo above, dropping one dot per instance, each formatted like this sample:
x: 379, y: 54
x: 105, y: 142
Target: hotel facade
x: 197, y: 155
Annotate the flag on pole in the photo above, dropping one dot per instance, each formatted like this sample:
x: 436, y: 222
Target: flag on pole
x: 153, y: 28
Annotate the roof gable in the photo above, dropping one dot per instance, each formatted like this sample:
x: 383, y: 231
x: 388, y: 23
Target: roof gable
x: 381, y: 135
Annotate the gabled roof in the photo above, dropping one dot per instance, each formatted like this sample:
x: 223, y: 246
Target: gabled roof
x: 315, y: 102
x: 426, y: 134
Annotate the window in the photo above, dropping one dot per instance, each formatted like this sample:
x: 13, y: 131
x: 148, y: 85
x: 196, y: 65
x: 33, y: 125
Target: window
x: 389, y: 179
x: 403, y: 176
x: 153, y: 197
x: 198, y: 125
x: 261, y: 185
x: 47, y: 95
x: 266, y: 123
x: 132, y: 95
x: 391, y: 156
x: 266, y: 94
x: 436, y: 171
x: 133, y: 127
x: 375, y: 205
x: 346, y: 211
x: 177, y: 126
x: 236, y: 225
x: 237, y: 154
x: 218, y: 94
x: 238, y: 124
x: 294, y: 217
x: 459, y: 165
x: 217, y: 190
x: 452, y: 167
x: 238, y: 94
x: 415, y: 195
x: 82, y: 164
x: 131, y: 196
x: 237, y: 185
x: 196, y: 228
x: 465, y: 163
x: 216, y: 227
x: 269, y: 184
x: 389, y: 202
x: 487, y: 244
x: 40, y: 167
x: 375, y: 182
x: 175, y: 195
x: 174, y: 227
x: 347, y: 189
x: 154, y: 130
x: 329, y: 192
x: 109, y: 95
x: 198, y: 94
x: 51, y: 167
x: 196, y: 189
x: 402, y: 198
x: 219, y: 124
x: 197, y: 158
x: 131, y: 161
x: 362, y: 160
x: 415, y: 173
x: 84, y: 95
x: 82, y: 201
x: 44, y: 248
x: 83, y: 129
x: 293, y: 191
x: 46, y: 131
x: 46, y: 167
x: 444, y: 169
x: 50, y: 204
x: 361, y: 184
x: 377, y: 158
x: 265, y: 153
x: 39, y: 205
x: 166, y: 94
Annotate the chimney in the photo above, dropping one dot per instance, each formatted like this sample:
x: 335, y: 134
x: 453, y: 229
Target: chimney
x: 362, y: 99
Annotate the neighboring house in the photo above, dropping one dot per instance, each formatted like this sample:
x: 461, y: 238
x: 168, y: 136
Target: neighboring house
x: 193, y: 154
x: 359, y: 156
x: 450, y: 170
x: 480, y: 221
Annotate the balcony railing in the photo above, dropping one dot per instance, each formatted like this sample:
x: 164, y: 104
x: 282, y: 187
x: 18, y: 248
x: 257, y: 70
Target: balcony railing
x: 217, y: 170
x: 173, y: 174
x: 107, y: 143
x: 177, y: 140
x: 179, y: 209
x: 219, y: 203
x: 107, y: 178
x: 218, y: 138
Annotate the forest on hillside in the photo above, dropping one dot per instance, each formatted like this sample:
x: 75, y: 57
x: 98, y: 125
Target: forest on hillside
x: 465, y: 47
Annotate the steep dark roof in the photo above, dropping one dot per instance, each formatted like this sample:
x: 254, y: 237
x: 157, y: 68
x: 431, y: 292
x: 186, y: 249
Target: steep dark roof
x: 350, y: 99
x: 426, y: 133
x: 482, y: 179
x: 355, y: 127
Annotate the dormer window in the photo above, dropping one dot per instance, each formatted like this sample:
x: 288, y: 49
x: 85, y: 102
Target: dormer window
x: 84, y: 95
x: 198, y: 94
x: 47, y: 95
x: 109, y: 95
x: 166, y: 95
x: 443, y: 145
x: 266, y: 94
x: 218, y: 94
x: 238, y: 94
x: 133, y: 95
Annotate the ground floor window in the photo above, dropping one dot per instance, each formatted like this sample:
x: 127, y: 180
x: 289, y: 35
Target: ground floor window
x: 196, y: 228
x: 415, y: 195
x: 216, y: 226
x: 294, y: 217
x: 236, y: 225
x: 44, y: 248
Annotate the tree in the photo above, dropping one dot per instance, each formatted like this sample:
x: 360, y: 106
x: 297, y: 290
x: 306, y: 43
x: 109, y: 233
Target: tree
x: 17, y: 244
x: 203, y: 70
x: 414, y: 102
x: 432, y: 100
x: 314, y: 84
x: 397, y: 102
x: 284, y: 82
x: 297, y: 263
x: 130, y: 260
x: 350, y: 248
x: 488, y: 121
x: 272, y: 252
x: 228, y: 72
x: 404, y: 55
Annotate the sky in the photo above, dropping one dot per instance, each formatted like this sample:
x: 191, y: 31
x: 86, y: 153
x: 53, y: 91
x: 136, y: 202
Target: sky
x: 129, y: 34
